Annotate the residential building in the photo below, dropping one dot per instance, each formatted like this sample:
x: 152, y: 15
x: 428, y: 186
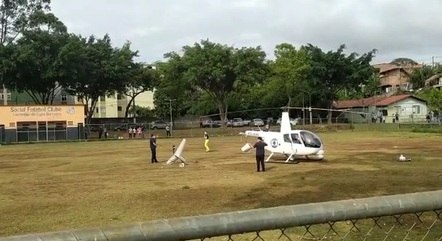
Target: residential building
x: 395, y: 77
x: 61, y: 98
x: 409, y: 108
x: 5, y: 96
x: 434, y: 81
x: 114, y: 106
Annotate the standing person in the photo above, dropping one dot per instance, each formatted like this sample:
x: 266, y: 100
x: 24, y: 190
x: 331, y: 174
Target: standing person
x: 206, y: 141
x: 139, y: 131
x: 167, y: 130
x: 153, y: 147
x: 260, y: 153
x: 129, y: 130
x: 100, y: 132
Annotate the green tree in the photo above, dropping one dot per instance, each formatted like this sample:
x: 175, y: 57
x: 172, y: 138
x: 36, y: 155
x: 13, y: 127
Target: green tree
x: 370, y: 88
x: 173, y: 89
x: 289, y: 72
x: 33, y: 65
x: 142, y: 79
x: 419, y: 76
x: 144, y: 113
x: 333, y: 71
x: 15, y: 16
x: 433, y: 97
x: 403, y: 62
x: 92, y: 68
x: 218, y: 69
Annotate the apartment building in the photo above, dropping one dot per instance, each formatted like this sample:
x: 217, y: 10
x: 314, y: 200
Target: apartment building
x: 114, y: 106
x: 395, y: 77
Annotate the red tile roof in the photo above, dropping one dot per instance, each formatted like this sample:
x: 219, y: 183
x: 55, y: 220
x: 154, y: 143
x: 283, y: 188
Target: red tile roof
x: 372, y: 101
x: 386, y: 67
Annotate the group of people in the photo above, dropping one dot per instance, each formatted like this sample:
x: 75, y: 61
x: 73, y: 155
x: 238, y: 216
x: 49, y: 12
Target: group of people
x: 134, y: 132
x: 259, y: 146
x: 153, y: 146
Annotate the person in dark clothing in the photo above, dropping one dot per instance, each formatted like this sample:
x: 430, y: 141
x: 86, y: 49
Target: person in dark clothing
x: 168, y: 131
x: 100, y: 132
x: 153, y: 147
x: 260, y: 153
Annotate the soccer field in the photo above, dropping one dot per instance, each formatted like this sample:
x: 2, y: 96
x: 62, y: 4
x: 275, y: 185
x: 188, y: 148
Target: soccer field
x: 58, y: 186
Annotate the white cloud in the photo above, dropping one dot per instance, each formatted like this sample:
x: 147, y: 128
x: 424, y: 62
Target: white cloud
x: 397, y: 28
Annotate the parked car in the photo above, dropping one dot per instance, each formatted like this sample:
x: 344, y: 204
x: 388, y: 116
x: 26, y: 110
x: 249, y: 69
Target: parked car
x: 235, y: 122
x: 257, y: 122
x: 210, y: 123
x: 246, y: 122
x: 292, y: 121
x: 158, y: 124
x: 122, y: 127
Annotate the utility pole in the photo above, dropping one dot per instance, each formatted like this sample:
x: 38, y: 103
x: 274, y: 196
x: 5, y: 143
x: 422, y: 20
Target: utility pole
x: 309, y: 106
x: 170, y: 113
x: 303, y: 110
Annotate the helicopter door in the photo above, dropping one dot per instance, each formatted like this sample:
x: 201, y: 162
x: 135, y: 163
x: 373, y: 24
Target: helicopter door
x: 288, y: 142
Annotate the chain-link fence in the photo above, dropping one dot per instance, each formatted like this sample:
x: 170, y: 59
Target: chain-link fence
x: 2, y: 135
x: 416, y: 216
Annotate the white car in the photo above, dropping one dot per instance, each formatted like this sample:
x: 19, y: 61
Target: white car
x: 257, y: 122
x: 292, y: 121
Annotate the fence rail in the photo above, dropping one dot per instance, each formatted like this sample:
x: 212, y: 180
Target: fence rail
x: 315, y: 221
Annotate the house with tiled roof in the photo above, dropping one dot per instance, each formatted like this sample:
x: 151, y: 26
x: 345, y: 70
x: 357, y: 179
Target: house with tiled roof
x: 394, y: 77
x: 434, y: 81
x: 408, y: 108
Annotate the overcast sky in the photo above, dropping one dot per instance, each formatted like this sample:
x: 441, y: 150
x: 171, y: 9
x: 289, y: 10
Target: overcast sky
x: 396, y: 28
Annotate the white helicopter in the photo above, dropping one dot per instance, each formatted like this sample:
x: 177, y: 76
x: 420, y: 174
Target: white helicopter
x: 294, y: 144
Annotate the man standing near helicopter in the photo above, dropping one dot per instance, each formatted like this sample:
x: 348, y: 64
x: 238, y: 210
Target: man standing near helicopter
x: 260, y: 153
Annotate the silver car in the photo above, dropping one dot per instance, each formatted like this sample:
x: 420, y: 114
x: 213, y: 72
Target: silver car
x: 257, y: 122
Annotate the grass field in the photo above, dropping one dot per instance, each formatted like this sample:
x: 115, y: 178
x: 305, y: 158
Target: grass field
x: 49, y: 187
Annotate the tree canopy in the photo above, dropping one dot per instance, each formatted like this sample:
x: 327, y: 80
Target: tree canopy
x: 40, y: 57
x: 334, y: 71
x: 15, y: 16
x: 403, y: 62
x: 32, y: 66
x: 92, y: 68
x: 219, y: 69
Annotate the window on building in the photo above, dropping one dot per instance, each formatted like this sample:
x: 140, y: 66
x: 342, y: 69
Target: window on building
x: 120, y: 108
x: 27, y: 131
x: 416, y: 109
x: 64, y: 98
x: 102, y: 98
x: 119, y: 96
x: 96, y: 109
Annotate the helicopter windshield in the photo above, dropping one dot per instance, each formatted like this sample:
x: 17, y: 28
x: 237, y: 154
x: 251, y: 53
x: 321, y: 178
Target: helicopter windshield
x: 310, y: 139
